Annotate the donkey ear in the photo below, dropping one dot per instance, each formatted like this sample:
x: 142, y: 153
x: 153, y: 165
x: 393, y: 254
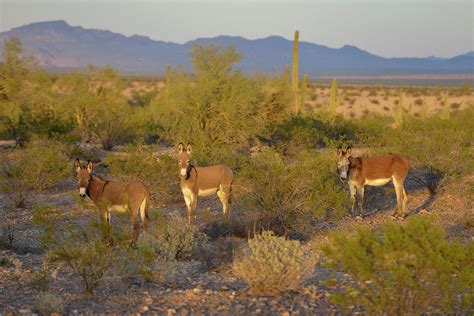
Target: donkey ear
x: 188, y: 148
x: 89, y: 165
x: 339, y: 151
x: 349, y: 150
x: 180, y: 147
x: 77, y: 164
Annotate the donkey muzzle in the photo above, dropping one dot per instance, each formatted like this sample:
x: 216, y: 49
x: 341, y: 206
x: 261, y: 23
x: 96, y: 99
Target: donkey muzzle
x: 82, y: 192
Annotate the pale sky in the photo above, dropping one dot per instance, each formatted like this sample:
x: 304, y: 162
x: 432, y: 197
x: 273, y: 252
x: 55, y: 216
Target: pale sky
x: 388, y: 28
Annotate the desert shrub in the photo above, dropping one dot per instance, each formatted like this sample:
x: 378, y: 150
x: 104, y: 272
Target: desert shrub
x: 167, y: 239
x: 305, y: 132
x: 159, y: 173
x: 402, y: 269
x: 291, y: 196
x: 218, y: 109
x: 47, y: 303
x: 84, y: 250
x: 221, y: 252
x: 455, y: 105
x: 273, y: 265
x: 145, y: 262
x: 142, y: 99
x: 33, y: 168
x: 174, y: 239
x: 7, y: 231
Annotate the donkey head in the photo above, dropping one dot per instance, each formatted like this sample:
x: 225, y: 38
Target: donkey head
x: 83, y: 176
x: 344, y: 161
x: 184, y: 161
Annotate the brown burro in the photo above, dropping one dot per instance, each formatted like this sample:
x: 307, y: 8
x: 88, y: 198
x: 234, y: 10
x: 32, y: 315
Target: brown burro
x: 111, y: 196
x: 373, y: 171
x: 202, y: 181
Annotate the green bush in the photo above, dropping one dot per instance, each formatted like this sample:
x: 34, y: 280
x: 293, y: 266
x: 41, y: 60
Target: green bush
x: 306, y: 132
x: 273, y: 265
x: 402, y: 269
x: 84, y: 250
x: 33, y: 168
x: 159, y: 173
x: 218, y: 109
x: 292, y: 196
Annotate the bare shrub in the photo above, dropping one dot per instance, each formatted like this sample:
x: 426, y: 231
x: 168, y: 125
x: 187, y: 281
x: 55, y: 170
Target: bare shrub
x: 219, y: 253
x: 273, y: 265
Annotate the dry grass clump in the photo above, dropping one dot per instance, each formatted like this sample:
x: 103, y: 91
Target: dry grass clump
x: 273, y: 265
x: 47, y: 303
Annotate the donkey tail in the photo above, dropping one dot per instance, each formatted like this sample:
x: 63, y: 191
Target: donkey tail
x: 147, y: 205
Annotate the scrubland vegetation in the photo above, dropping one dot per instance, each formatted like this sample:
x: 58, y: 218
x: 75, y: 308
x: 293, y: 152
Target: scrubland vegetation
x: 285, y: 192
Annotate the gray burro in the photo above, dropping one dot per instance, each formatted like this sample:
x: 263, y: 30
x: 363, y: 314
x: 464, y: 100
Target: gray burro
x: 203, y: 181
x: 114, y: 196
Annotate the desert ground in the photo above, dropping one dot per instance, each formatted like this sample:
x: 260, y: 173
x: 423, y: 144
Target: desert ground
x: 205, y: 282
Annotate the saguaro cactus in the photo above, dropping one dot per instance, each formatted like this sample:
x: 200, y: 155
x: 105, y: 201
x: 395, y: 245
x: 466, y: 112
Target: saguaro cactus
x: 399, y: 114
x: 333, y: 101
x: 294, y: 75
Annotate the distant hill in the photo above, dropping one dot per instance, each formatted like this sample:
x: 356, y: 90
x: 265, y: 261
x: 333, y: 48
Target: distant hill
x: 59, y: 46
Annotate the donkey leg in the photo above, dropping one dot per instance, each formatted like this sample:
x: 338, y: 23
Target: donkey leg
x: 399, y: 192
x: 187, y: 201
x: 361, y: 200
x: 225, y: 203
x: 353, y: 191
x: 404, y: 204
x: 142, y: 212
x: 193, y: 210
x: 136, y: 228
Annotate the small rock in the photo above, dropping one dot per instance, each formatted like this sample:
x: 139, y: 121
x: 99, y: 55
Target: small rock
x: 196, y: 290
x: 143, y: 309
x: 25, y: 311
x: 258, y: 311
x: 170, y: 311
x: 208, y: 292
x: 148, y: 301
x: 285, y: 313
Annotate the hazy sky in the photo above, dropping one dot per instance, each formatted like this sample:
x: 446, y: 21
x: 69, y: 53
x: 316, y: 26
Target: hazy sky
x: 385, y: 27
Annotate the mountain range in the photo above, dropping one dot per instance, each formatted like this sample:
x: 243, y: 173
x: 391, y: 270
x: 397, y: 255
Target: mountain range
x: 58, y: 46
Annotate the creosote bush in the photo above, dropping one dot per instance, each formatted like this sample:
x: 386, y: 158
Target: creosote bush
x: 408, y: 269
x: 85, y: 251
x: 291, y: 196
x: 273, y: 265
x: 33, y: 168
